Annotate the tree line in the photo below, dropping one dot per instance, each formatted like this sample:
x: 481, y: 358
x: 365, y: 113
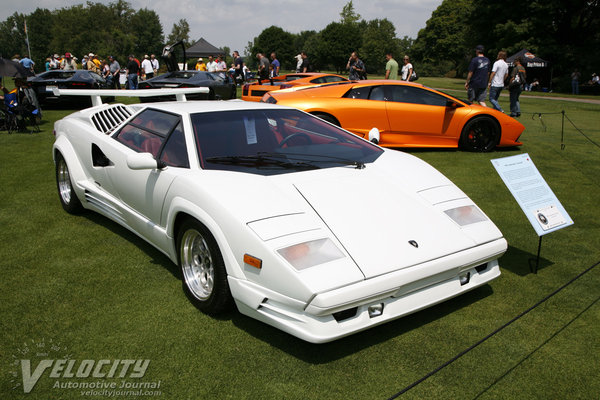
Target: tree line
x: 564, y: 32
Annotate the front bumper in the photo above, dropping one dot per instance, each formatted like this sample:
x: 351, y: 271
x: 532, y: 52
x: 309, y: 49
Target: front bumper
x: 341, y: 312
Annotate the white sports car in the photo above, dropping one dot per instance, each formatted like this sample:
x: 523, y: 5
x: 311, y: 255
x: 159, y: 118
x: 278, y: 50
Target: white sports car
x: 302, y: 225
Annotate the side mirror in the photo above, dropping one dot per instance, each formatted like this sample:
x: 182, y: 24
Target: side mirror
x: 142, y: 161
x: 452, y: 104
x: 374, y: 135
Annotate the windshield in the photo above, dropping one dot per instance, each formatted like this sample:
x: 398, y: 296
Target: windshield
x: 276, y: 141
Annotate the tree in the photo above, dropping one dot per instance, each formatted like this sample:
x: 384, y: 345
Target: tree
x: 180, y: 31
x: 378, y: 39
x: 445, y: 39
x: 336, y: 43
x: 349, y: 16
x: 146, y: 24
x: 275, y: 39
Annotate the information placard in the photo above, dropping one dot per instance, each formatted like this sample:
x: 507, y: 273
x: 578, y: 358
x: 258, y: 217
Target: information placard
x: 536, y: 199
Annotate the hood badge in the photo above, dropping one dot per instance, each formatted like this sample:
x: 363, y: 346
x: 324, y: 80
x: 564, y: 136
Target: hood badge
x: 413, y: 243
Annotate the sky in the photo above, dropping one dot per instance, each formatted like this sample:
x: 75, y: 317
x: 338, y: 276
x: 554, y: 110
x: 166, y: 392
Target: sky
x: 233, y: 23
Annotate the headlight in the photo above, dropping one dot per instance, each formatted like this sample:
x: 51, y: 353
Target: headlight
x: 308, y: 254
x: 466, y: 215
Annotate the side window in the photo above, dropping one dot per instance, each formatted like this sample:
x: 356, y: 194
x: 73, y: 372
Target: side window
x: 378, y: 93
x: 414, y: 95
x: 359, y: 93
x: 147, y: 132
x: 175, y: 153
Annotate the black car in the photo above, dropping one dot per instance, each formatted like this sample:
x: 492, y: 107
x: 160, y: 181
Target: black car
x: 220, y: 87
x: 44, y: 83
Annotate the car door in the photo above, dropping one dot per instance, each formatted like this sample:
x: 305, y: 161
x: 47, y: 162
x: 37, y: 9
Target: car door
x: 142, y: 191
x: 363, y: 108
x: 419, y: 116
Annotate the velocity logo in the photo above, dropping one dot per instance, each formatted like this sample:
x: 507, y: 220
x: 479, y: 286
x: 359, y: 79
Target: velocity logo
x: 35, y: 359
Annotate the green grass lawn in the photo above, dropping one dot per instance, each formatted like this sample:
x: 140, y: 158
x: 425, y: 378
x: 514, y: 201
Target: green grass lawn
x: 96, y: 292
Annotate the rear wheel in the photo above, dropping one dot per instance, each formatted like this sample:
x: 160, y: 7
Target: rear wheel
x: 203, y: 269
x: 68, y: 198
x: 480, y: 134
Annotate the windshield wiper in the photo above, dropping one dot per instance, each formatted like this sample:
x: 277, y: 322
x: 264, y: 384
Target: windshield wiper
x: 261, y: 160
x: 323, y: 158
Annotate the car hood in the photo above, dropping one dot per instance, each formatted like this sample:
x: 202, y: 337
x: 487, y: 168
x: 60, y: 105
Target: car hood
x: 375, y: 213
x: 376, y: 220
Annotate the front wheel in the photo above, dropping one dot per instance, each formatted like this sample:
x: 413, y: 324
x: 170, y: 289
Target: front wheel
x: 329, y: 118
x: 203, y: 269
x: 480, y: 134
x: 68, y: 198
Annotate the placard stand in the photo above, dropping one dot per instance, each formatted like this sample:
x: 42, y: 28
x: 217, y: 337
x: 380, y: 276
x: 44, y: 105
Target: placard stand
x: 536, y: 260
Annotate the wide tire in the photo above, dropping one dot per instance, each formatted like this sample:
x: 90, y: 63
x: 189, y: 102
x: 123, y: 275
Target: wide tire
x: 203, y: 269
x: 480, y: 134
x: 68, y: 198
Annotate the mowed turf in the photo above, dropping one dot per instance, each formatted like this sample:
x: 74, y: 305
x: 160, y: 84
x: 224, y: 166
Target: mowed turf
x: 99, y: 292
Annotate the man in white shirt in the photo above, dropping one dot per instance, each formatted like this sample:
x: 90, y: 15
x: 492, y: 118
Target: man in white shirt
x: 496, y: 83
x: 154, y: 63
x: 147, y: 67
x: 211, y: 65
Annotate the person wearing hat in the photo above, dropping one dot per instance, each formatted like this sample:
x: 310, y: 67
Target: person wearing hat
x: 478, y: 77
x: 67, y: 63
x: 115, y: 72
x: 91, y: 63
x: 84, y: 62
x: 200, y: 66
x: 147, y: 69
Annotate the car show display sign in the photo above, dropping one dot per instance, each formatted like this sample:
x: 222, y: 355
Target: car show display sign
x: 541, y: 206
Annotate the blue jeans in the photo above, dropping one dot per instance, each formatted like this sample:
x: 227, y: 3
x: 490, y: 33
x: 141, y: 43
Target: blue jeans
x: 515, y: 107
x: 575, y: 86
x: 494, y: 94
x: 132, y: 79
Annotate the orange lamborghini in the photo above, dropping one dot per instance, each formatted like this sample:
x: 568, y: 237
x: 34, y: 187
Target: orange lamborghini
x: 254, y: 91
x: 405, y: 114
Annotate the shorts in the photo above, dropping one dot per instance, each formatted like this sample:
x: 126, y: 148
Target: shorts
x: 477, y: 94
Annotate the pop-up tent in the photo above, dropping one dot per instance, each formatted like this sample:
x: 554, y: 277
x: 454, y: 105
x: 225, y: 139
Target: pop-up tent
x: 535, y: 66
x: 203, y: 49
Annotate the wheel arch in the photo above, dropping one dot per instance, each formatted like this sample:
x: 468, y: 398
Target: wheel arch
x: 318, y: 113
x: 182, y: 209
x: 63, y: 147
x: 480, y: 116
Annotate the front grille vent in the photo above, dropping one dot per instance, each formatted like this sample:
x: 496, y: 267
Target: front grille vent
x: 108, y: 119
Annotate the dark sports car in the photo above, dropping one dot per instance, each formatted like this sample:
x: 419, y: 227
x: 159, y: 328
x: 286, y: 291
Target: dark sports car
x: 220, y: 88
x: 44, y: 83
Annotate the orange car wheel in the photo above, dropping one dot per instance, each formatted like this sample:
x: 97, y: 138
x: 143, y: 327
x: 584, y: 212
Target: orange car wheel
x: 482, y: 133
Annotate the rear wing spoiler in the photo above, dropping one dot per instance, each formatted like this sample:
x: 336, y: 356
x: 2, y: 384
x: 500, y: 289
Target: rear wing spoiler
x: 96, y: 94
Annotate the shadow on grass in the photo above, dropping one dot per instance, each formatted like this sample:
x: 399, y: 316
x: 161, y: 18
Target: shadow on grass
x: 517, y: 261
x: 158, y: 258
x: 308, y: 352
x: 327, y: 352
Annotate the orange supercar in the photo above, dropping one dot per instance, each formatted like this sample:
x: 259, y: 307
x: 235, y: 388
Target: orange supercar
x: 405, y: 114
x: 254, y: 91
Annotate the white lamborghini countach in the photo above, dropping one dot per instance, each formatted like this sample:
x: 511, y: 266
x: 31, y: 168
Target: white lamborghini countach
x: 300, y: 224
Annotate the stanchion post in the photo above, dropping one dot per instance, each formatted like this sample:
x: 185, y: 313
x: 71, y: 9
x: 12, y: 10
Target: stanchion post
x: 562, y: 131
x: 536, y: 261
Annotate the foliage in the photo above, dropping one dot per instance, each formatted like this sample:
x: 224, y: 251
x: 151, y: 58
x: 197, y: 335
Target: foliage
x: 275, y: 39
x: 445, y: 36
x: 114, y: 29
x: 180, y: 31
x: 337, y: 41
x: 348, y: 15
x: 378, y: 39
